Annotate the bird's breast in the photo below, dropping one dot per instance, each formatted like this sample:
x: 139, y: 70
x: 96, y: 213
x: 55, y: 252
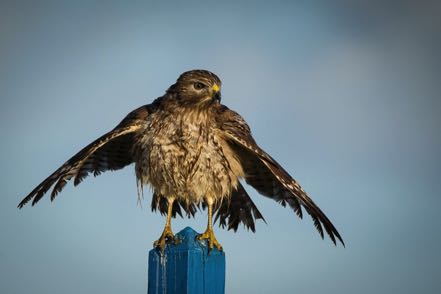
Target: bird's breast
x: 185, y: 158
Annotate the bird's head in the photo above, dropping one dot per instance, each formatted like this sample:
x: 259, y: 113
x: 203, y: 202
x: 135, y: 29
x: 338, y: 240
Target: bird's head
x: 197, y: 88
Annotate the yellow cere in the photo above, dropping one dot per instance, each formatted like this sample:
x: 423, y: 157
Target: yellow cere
x: 215, y: 88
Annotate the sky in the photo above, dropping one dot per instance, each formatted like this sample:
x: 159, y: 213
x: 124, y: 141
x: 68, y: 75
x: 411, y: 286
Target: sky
x: 344, y: 94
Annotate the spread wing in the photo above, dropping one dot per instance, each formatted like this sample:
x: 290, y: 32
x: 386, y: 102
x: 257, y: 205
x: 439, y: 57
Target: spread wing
x: 112, y: 151
x: 267, y: 176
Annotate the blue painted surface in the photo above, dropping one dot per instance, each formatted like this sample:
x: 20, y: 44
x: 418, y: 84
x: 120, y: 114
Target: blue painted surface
x: 186, y: 267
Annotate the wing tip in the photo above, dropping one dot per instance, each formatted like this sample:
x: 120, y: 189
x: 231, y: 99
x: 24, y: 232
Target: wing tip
x: 21, y: 204
x: 340, y: 239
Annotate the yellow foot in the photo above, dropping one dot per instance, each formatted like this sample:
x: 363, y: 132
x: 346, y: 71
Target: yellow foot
x: 211, y: 239
x: 167, y: 236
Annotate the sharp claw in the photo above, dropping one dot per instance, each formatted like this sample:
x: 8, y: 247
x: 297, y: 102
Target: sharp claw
x: 211, y: 240
x: 166, y: 236
x: 159, y: 244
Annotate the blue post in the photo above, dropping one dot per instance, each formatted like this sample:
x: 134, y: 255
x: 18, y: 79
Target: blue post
x: 186, y: 267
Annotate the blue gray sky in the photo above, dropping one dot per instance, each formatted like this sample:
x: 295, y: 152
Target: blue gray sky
x: 344, y: 94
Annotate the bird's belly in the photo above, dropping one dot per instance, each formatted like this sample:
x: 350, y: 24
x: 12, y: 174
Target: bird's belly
x: 191, y: 170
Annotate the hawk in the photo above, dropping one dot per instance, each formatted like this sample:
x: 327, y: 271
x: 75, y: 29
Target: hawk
x: 192, y: 151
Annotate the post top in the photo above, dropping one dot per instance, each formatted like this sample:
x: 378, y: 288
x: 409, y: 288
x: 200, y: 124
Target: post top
x: 187, y: 240
x: 187, y: 236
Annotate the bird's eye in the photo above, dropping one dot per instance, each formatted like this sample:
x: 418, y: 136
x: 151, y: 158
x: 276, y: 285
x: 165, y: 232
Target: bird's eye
x: 198, y: 86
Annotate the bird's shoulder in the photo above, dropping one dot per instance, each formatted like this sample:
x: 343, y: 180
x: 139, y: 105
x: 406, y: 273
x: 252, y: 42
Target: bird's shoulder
x: 235, y: 130
x: 140, y: 114
x: 229, y: 120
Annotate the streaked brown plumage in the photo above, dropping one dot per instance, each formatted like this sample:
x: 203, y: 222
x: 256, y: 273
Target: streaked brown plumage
x: 192, y: 150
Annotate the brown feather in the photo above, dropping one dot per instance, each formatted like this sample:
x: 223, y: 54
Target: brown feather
x: 239, y: 209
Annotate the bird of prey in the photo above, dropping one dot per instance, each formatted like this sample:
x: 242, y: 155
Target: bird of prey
x: 191, y: 150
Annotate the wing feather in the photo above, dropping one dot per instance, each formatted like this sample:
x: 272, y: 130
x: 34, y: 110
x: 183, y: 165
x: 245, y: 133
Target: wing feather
x: 240, y: 208
x: 112, y: 151
x: 267, y: 176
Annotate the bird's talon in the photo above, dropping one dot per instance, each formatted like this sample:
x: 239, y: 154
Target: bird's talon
x: 166, y: 236
x: 211, y: 240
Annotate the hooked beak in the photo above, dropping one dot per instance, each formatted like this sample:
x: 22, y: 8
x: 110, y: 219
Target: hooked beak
x: 216, y: 93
